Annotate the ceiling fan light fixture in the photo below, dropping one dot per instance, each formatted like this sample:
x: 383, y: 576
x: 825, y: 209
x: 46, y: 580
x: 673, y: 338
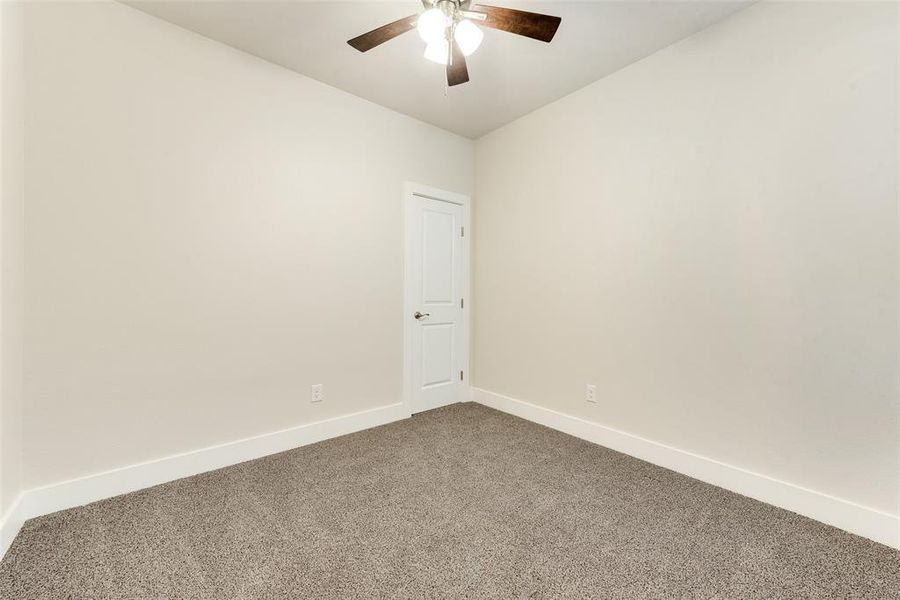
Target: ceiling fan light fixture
x: 432, y: 25
x: 468, y: 36
x: 448, y: 25
x: 437, y: 51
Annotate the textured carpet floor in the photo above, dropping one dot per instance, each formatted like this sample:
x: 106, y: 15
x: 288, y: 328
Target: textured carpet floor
x: 460, y: 502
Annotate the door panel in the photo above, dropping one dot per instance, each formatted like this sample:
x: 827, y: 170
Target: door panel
x: 438, y: 230
x: 437, y: 354
x: 434, y: 280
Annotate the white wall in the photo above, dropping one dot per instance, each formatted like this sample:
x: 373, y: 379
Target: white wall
x: 711, y: 237
x: 12, y: 145
x: 207, y: 235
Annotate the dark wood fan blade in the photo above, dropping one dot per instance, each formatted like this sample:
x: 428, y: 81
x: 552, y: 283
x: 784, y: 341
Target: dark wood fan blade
x: 369, y: 40
x: 533, y: 25
x: 457, y: 72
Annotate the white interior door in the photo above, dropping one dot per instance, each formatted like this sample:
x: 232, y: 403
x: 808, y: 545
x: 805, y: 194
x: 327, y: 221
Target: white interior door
x: 437, y: 265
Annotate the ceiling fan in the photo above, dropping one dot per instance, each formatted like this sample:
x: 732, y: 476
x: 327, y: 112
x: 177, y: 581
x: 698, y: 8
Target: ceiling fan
x: 448, y: 29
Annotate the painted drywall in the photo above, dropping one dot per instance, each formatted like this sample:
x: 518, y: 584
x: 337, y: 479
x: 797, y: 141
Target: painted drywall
x: 12, y: 287
x: 710, y: 236
x: 207, y: 236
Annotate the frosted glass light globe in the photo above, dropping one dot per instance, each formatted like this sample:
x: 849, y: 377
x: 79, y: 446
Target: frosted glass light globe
x: 431, y: 25
x: 437, y: 51
x: 468, y: 36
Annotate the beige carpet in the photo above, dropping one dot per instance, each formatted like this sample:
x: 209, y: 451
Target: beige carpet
x: 461, y: 502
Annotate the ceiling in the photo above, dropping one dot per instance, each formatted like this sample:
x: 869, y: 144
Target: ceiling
x: 510, y: 75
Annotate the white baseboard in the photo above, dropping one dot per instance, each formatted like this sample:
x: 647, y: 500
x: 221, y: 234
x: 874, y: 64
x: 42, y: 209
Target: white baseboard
x: 867, y: 522
x: 11, y: 523
x: 849, y: 516
x: 83, y: 490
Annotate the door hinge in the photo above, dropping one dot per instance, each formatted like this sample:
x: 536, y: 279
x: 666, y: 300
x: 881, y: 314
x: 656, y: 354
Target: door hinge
x: 462, y: 304
x: 462, y: 232
x: 460, y: 375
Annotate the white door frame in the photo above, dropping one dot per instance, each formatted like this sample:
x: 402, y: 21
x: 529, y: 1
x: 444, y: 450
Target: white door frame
x: 411, y: 190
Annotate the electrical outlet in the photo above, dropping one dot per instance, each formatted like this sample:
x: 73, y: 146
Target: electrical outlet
x: 590, y: 392
x: 317, y: 393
